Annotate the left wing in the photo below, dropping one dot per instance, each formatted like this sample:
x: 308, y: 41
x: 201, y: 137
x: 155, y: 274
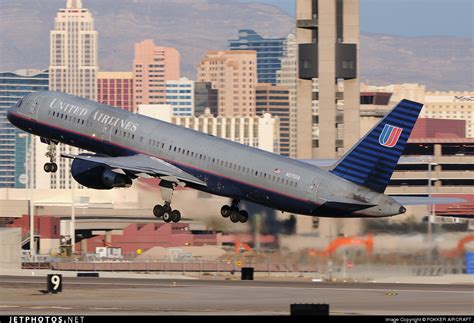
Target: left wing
x: 141, y: 166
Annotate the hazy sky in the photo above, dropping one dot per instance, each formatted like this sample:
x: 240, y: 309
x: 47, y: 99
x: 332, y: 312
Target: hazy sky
x: 409, y: 17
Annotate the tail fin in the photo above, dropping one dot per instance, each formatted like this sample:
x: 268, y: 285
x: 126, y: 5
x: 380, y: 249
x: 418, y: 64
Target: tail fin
x: 373, y: 159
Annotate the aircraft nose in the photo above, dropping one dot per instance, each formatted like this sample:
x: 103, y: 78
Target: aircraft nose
x: 10, y: 113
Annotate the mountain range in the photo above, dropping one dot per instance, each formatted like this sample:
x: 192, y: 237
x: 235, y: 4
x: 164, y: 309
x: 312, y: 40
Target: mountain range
x: 196, y: 26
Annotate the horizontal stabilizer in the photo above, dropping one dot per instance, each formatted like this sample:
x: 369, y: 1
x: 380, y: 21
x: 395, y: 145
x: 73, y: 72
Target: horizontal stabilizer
x: 416, y: 200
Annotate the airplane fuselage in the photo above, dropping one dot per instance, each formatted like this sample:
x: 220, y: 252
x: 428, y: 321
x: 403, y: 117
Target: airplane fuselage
x: 229, y: 169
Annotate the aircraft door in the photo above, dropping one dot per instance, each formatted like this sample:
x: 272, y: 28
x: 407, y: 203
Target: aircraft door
x: 34, y: 105
x: 107, y: 132
x: 312, y: 192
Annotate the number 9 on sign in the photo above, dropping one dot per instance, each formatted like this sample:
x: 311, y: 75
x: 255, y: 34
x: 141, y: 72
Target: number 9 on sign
x: 55, y: 283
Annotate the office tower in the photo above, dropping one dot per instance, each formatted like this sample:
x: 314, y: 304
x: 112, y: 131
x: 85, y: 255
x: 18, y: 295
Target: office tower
x: 234, y: 75
x: 73, y: 52
x: 73, y: 69
x: 116, y: 89
x: 270, y: 51
x: 180, y: 95
x: 287, y: 77
x: 328, y: 84
x: 14, y: 143
x: 152, y: 67
x: 205, y: 97
x: 276, y: 101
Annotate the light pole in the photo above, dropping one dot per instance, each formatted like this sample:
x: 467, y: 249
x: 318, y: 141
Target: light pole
x: 28, y: 185
x: 431, y: 208
x: 73, y: 219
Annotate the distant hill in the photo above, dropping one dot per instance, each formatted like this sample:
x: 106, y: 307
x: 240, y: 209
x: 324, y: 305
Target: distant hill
x: 440, y: 63
x: 195, y: 26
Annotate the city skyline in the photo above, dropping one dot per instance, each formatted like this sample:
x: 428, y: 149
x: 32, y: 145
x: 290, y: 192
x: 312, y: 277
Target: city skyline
x: 194, y: 32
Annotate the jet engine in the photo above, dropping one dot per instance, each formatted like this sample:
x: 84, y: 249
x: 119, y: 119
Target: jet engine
x: 97, y: 176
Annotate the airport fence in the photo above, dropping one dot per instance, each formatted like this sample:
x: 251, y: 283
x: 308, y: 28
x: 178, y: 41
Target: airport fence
x: 325, y: 269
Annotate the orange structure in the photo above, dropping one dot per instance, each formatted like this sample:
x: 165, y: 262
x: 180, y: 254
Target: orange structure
x: 368, y: 243
x: 459, y: 250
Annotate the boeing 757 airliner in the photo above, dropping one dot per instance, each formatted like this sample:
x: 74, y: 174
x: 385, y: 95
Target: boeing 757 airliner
x: 128, y: 146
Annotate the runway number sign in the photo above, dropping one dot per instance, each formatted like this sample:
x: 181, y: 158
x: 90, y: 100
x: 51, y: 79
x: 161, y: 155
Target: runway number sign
x: 55, y: 283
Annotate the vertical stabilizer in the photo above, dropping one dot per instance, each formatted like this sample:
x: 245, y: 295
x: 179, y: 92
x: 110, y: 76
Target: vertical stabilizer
x: 373, y: 159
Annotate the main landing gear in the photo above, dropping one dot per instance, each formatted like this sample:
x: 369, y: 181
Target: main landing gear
x: 165, y: 211
x: 51, y: 167
x: 233, y: 212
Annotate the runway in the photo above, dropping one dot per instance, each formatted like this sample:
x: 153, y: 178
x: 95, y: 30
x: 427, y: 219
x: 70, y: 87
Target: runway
x: 22, y: 295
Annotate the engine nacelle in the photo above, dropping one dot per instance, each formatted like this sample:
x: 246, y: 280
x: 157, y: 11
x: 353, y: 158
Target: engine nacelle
x: 97, y: 176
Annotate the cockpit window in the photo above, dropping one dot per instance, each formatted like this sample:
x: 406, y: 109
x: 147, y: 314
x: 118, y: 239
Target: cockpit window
x: 18, y: 104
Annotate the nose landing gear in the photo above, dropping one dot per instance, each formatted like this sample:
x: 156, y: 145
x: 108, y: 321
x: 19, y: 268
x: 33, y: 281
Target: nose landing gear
x: 51, y: 167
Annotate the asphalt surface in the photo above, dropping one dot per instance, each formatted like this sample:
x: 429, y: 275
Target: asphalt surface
x: 117, y: 296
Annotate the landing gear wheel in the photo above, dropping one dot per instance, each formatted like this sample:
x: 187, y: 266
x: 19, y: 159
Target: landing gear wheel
x: 167, y: 217
x: 47, y: 167
x: 54, y: 167
x: 158, y: 211
x: 226, y: 211
x: 167, y: 208
x: 235, y: 216
x: 244, y: 216
x: 175, y: 216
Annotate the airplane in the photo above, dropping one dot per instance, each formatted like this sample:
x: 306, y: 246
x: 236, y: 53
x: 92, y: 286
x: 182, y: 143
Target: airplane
x: 127, y: 146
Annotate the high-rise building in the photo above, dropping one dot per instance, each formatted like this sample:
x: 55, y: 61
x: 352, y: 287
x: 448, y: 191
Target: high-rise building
x: 180, y: 95
x: 73, y: 69
x: 234, y: 74
x: 152, y: 67
x: 14, y: 143
x: 255, y: 131
x: 73, y: 52
x: 270, y: 51
x: 276, y: 101
x: 205, y: 97
x: 288, y: 76
x: 116, y: 89
x: 328, y: 84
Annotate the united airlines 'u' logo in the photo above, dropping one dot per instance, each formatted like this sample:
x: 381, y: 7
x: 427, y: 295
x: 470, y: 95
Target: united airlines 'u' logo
x: 389, y: 136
